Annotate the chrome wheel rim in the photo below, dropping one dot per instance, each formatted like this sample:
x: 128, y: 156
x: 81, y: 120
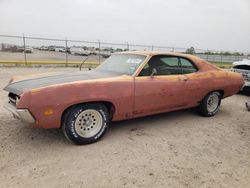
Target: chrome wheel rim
x: 88, y: 123
x: 212, y: 102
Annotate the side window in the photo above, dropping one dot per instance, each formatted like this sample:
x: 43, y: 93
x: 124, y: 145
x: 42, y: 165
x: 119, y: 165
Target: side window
x: 187, y: 66
x: 164, y: 65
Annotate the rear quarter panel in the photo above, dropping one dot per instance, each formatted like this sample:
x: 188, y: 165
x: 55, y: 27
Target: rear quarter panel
x: 234, y: 83
x: 204, y: 82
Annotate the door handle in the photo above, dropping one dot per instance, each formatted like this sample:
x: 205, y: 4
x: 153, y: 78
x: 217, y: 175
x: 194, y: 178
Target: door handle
x: 184, y: 79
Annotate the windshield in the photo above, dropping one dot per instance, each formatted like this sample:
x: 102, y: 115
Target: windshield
x: 122, y: 63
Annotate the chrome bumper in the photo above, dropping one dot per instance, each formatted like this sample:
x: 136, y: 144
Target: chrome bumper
x: 247, y: 84
x: 22, y: 114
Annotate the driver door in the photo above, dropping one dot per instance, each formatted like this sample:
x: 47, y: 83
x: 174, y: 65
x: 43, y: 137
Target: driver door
x: 164, y: 91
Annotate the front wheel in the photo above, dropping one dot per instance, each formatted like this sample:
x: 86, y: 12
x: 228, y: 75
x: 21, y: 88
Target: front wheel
x: 209, y: 106
x: 86, y: 123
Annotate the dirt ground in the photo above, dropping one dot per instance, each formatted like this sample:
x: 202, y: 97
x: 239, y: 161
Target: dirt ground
x: 177, y: 149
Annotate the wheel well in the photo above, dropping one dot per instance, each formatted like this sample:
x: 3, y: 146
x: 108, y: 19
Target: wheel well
x: 110, y: 106
x: 221, y: 93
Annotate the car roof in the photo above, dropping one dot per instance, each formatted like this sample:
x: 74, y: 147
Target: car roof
x: 200, y: 63
x: 152, y: 53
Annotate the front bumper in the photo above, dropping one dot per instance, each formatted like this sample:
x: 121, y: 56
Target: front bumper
x: 22, y: 114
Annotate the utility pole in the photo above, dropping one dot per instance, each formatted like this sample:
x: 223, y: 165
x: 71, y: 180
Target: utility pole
x: 99, y: 55
x: 66, y: 52
x: 24, y: 46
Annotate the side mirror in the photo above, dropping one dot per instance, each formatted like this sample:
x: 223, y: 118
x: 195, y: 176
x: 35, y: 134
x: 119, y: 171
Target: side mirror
x: 154, y: 72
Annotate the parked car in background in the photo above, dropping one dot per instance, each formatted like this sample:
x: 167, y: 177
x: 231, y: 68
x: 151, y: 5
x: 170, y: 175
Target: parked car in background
x: 44, y: 48
x: 243, y: 67
x: 20, y: 49
x: 79, y: 51
x: 127, y: 85
x: 94, y: 52
x: 51, y: 48
x: 60, y: 49
x: 105, y: 54
x: 29, y: 50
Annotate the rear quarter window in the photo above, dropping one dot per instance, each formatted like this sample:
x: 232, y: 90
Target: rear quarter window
x: 187, y: 66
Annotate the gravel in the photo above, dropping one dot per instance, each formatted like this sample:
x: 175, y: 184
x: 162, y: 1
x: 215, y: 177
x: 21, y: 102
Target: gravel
x: 177, y: 149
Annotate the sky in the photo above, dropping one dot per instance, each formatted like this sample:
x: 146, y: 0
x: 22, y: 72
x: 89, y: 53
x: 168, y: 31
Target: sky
x: 205, y: 24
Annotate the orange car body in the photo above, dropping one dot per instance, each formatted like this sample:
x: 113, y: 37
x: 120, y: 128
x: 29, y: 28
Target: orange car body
x: 128, y: 96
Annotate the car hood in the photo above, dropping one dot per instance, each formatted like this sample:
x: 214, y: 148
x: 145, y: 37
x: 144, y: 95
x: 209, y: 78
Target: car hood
x: 33, y: 82
x: 243, y: 62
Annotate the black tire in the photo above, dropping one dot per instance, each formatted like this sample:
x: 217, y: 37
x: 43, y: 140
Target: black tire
x: 248, y: 105
x: 77, y: 128
x: 204, y: 107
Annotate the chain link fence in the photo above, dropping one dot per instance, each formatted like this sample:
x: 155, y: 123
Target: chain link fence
x: 32, y: 50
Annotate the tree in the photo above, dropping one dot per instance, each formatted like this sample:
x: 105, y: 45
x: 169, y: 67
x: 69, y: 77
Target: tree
x: 190, y: 50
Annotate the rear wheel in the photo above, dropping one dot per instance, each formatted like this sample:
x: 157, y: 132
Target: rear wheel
x: 86, y: 123
x: 210, y: 104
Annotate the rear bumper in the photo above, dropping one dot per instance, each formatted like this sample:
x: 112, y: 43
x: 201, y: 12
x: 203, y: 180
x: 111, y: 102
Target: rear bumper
x: 22, y: 114
x: 246, y: 86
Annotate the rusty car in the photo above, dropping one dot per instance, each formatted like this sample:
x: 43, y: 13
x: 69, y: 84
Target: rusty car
x: 126, y: 85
